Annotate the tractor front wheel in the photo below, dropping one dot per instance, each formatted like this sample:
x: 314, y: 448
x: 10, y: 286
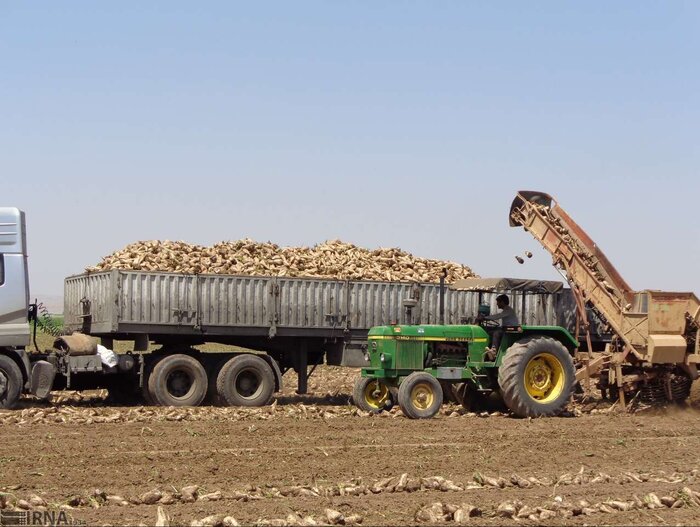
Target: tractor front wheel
x: 537, y: 377
x: 372, y: 395
x: 420, y: 395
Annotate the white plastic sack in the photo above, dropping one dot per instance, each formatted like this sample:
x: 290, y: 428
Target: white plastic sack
x: 107, y: 356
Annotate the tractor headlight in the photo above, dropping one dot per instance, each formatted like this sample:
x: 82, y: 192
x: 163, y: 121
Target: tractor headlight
x: 382, y: 357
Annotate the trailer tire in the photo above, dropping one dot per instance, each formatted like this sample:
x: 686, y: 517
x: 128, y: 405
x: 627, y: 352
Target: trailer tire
x: 537, y: 377
x: 10, y: 382
x: 363, y: 395
x: 420, y: 395
x: 246, y: 380
x: 178, y: 380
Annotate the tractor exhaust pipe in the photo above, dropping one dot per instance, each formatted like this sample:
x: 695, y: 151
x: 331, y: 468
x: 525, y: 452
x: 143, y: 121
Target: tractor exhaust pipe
x: 442, y: 296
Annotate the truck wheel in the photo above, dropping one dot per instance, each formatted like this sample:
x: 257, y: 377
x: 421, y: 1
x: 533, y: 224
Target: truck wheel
x: 10, y: 382
x: 246, y: 380
x: 372, y: 395
x: 146, y: 393
x: 178, y: 380
x: 537, y: 377
x: 420, y: 395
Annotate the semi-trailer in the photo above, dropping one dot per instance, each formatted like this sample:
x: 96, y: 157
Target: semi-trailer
x: 276, y: 324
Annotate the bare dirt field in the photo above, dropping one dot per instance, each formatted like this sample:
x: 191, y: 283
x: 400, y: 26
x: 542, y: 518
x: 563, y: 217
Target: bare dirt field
x: 290, y: 463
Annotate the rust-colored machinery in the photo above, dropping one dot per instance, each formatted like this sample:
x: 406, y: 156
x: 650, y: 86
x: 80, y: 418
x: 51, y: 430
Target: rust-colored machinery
x: 655, y: 348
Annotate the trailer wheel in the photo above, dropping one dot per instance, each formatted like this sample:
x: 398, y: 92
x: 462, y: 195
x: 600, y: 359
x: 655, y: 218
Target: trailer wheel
x: 246, y: 380
x: 372, y: 395
x: 178, y: 380
x: 420, y: 395
x: 537, y: 377
x: 10, y: 382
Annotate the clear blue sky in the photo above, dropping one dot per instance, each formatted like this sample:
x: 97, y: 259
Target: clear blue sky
x: 407, y: 124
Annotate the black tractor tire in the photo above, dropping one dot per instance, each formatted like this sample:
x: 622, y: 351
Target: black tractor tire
x: 246, y: 380
x: 537, y: 377
x: 10, y: 382
x: 366, y: 398
x: 178, y: 380
x: 420, y: 395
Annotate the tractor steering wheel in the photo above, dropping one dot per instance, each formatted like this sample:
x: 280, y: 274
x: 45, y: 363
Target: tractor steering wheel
x: 490, y: 323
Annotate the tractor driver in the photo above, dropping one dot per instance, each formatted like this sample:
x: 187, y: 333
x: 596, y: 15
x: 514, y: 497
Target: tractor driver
x: 507, y: 317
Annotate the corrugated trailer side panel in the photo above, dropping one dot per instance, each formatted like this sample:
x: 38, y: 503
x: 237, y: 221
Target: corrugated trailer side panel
x: 458, y: 305
x: 161, y: 300
x: 230, y: 301
x: 99, y: 290
x: 377, y: 303
x: 157, y: 298
x: 308, y: 303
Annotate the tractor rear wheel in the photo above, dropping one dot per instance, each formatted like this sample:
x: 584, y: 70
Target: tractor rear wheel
x: 420, y: 395
x: 537, y: 377
x: 372, y: 395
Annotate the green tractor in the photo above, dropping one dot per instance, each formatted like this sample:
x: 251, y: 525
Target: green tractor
x: 532, y: 369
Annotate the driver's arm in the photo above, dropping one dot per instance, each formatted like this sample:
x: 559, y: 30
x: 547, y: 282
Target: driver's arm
x: 497, y: 316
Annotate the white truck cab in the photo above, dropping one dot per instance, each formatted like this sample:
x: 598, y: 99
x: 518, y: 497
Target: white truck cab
x: 14, y: 306
x: 14, y: 279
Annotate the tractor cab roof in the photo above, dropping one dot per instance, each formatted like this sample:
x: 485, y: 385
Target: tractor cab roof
x: 524, y: 285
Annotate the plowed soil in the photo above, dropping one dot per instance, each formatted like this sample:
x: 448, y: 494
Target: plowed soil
x: 311, y: 441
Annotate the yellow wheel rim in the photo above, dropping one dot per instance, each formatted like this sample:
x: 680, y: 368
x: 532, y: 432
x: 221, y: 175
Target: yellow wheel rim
x: 544, y: 378
x: 376, y: 394
x: 422, y: 396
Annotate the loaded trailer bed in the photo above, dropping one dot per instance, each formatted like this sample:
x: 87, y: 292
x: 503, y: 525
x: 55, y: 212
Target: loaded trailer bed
x: 297, y: 321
